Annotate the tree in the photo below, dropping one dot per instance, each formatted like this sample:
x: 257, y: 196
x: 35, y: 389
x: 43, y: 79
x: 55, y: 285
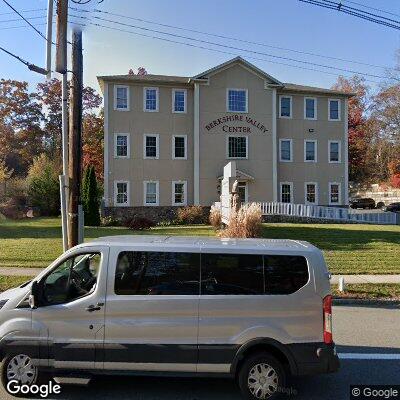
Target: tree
x: 21, y: 133
x: 43, y: 186
x: 93, y: 142
x: 49, y: 97
x: 140, y: 71
x: 360, y: 128
x: 90, y: 197
x: 5, y: 174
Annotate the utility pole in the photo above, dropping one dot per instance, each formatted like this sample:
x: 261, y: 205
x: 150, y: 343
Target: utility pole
x: 61, y: 67
x: 75, y: 139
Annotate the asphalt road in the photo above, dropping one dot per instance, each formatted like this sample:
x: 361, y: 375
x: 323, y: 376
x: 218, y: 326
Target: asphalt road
x: 368, y: 340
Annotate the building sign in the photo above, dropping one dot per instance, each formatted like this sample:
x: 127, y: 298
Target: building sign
x: 246, y: 124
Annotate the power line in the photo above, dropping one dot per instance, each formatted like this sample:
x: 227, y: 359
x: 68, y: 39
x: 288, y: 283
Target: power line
x: 19, y: 19
x: 230, y: 38
x: 234, y: 47
x: 372, y: 8
x: 354, y: 12
x: 32, y: 67
x: 32, y: 26
x: 24, y: 11
x: 215, y: 50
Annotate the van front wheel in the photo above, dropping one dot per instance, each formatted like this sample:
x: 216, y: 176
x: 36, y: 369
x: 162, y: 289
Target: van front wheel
x: 20, y: 369
x: 261, y: 377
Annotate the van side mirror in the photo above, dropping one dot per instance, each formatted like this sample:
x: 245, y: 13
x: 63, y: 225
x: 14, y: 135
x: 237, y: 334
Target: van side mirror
x: 33, y: 297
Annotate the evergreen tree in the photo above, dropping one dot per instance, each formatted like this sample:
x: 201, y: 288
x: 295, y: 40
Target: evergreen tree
x: 90, y: 197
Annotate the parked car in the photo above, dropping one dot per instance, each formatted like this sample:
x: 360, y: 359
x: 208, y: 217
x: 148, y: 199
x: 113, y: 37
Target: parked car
x: 255, y: 310
x: 380, y: 205
x: 365, y: 203
x: 393, y: 207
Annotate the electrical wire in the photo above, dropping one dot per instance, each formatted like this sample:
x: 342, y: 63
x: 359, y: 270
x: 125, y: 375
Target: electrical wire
x: 233, y: 47
x: 229, y: 37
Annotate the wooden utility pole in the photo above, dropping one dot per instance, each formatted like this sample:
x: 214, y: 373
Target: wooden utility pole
x: 75, y: 139
x: 61, y: 67
x: 61, y: 49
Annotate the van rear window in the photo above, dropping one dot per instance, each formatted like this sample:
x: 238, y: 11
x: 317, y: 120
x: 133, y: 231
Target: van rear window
x: 284, y: 274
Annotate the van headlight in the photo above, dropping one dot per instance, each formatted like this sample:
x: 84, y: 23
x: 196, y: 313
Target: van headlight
x: 2, y: 303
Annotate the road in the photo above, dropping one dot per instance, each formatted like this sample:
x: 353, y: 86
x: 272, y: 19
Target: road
x: 368, y: 340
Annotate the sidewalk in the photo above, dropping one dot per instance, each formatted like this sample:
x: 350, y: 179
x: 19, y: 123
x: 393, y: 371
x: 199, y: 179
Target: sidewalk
x: 366, y: 278
x: 8, y: 271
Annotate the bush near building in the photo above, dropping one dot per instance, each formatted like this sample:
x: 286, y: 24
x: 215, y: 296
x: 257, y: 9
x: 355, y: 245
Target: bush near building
x: 190, y: 215
x: 90, y: 197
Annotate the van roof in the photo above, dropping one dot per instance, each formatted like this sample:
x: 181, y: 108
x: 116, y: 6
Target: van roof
x: 204, y: 242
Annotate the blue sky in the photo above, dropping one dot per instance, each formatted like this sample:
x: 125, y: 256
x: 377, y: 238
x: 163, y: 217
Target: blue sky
x: 284, y: 23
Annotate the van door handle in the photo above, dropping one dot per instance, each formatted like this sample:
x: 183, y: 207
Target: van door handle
x: 92, y: 308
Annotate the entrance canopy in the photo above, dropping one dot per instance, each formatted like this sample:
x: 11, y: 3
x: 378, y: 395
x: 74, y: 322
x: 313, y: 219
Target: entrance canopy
x: 240, y: 176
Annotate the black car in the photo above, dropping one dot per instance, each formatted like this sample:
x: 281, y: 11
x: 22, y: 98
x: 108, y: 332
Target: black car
x: 393, y: 207
x: 363, y: 203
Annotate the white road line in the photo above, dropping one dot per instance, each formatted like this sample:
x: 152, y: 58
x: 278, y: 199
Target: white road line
x: 369, y: 356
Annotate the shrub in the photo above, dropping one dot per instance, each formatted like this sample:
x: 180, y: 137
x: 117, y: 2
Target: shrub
x: 90, y: 197
x: 245, y: 223
x: 139, y: 223
x: 190, y: 215
x: 215, y: 217
x: 43, y: 185
x: 110, y: 221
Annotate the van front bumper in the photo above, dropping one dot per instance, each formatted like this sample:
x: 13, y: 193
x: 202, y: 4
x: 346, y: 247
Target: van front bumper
x: 314, y: 358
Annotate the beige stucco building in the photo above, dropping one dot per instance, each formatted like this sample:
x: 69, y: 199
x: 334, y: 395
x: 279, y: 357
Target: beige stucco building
x: 167, y: 138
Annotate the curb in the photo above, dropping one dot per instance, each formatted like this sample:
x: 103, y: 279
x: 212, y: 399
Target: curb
x: 366, y: 302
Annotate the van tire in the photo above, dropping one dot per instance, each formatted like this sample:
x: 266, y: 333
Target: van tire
x: 253, y: 367
x: 39, y: 378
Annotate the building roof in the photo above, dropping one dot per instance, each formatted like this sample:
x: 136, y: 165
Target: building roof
x: 185, y: 80
x: 202, y: 242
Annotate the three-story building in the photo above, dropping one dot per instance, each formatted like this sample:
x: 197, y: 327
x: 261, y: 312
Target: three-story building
x: 167, y: 139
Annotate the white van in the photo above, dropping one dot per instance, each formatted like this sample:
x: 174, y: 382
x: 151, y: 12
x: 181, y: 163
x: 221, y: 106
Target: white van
x: 253, y: 309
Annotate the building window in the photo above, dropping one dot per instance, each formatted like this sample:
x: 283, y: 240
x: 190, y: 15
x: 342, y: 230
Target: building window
x: 285, y: 150
x: 121, y: 98
x: 179, y: 100
x: 237, y: 100
x: 179, y: 193
x: 150, y: 99
x: 179, y: 147
x: 334, y: 151
x: 310, y: 151
x: 334, y: 193
x: 121, y: 193
x: 150, y: 146
x: 286, y: 192
x: 311, y: 193
x: 151, y: 193
x: 310, y: 108
x: 237, y: 146
x: 334, y: 110
x: 121, y: 145
x: 285, y: 106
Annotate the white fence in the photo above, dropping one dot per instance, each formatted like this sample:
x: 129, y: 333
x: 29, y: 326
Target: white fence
x: 329, y: 213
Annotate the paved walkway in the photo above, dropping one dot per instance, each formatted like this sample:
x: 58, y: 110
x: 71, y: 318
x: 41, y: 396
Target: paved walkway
x: 335, y: 278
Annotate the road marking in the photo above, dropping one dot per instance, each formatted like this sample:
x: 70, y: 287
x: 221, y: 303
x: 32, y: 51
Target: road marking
x: 369, y: 356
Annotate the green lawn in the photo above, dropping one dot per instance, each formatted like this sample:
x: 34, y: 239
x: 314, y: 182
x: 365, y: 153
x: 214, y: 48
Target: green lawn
x: 348, y: 249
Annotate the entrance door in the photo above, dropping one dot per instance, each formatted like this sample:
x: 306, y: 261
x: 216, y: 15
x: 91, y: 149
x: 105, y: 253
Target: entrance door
x: 152, y: 311
x: 70, y: 317
x: 243, y: 194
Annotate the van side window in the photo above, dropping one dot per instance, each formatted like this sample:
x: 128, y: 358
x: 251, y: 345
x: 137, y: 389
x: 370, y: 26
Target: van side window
x: 284, y: 274
x: 157, y: 273
x: 231, y: 274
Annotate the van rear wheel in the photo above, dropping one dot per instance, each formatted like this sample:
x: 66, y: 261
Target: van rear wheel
x: 262, y: 376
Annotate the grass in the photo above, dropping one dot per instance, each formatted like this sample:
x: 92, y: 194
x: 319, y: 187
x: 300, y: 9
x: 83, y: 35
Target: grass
x: 8, y: 282
x: 348, y: 249
x: 369, y: 291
